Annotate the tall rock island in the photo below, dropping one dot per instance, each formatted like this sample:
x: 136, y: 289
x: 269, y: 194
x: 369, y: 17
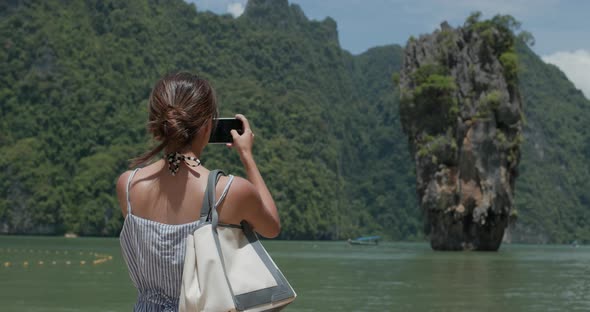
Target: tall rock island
x: 462, y: 112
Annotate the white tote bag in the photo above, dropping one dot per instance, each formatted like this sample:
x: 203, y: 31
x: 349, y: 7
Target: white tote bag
x: 226, y: 268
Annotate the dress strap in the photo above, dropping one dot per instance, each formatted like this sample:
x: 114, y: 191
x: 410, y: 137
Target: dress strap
x: 128, y: 185
x: 225, y: 190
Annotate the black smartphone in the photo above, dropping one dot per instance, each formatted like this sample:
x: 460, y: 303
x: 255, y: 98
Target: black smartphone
x: 221, y: 134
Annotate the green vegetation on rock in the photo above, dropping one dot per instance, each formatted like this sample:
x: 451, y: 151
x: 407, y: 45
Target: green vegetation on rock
x: 432, y: 98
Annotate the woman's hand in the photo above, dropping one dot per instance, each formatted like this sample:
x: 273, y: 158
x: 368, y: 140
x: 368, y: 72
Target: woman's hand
x: 262, y: 213
x: 244, y: 142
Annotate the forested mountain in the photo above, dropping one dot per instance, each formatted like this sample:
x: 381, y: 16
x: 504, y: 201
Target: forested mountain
x: 74, y: 82
x: 552, y: 190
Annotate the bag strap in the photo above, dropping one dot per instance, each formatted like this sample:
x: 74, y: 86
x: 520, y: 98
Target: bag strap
x: 208, y: 207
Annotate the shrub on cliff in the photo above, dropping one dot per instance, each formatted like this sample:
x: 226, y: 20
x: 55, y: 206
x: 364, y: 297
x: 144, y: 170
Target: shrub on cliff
x: 432, y: 97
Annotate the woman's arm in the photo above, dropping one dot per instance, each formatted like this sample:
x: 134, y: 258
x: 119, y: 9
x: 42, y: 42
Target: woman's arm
x: 254, y: 193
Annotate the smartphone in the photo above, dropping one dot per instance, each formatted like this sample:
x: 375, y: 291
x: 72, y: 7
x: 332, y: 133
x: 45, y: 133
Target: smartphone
x: 221, y: 134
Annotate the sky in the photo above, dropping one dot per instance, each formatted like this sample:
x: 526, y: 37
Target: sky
x: 561, y: 27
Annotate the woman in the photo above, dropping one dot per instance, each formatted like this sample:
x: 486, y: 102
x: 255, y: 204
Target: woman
x: 161, y: 202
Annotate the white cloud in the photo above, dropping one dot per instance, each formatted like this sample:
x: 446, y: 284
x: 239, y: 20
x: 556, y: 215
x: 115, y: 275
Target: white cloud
x: 236, y: 9
x: 575, y: 65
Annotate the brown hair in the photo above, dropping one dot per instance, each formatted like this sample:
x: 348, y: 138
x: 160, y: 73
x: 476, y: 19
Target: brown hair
x: 180, y: 105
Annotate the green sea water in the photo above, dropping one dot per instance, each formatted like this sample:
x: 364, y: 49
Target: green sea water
x: 88, y: 274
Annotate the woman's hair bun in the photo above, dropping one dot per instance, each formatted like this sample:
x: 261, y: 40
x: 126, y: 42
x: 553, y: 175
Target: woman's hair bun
x: 174, y: 124
x: 180, y: 105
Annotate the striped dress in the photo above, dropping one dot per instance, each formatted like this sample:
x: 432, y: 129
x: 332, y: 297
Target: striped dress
x: 154, y: 253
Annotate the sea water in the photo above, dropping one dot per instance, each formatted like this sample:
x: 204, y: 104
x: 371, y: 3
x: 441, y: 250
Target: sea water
x: 89, y: 274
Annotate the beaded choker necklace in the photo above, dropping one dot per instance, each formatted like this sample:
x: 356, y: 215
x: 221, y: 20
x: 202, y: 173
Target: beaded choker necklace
x: 173, y: 159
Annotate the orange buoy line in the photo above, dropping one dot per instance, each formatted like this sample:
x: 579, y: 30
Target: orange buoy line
x: 100, y: 258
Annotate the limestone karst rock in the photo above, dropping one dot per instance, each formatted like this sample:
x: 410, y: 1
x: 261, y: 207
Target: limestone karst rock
x: 462, y: 112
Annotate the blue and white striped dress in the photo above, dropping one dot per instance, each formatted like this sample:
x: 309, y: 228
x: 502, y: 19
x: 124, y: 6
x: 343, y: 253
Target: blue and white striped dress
x: 154, y: 253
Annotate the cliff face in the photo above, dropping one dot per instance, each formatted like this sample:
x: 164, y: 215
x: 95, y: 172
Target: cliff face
x: 461, y: 109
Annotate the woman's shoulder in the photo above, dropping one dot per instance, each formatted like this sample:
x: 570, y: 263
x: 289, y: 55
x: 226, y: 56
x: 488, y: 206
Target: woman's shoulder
x: 239, y: 186
x: 240, y: 201
x: 241, y: 191
x: 122, y: 190
x: 122, y: 180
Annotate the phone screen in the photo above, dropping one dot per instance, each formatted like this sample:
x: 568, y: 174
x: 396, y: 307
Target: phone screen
x: 221, y: 133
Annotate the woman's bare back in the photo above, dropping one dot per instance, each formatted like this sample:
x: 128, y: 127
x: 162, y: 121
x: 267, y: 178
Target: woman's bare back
x: 158, y: 196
